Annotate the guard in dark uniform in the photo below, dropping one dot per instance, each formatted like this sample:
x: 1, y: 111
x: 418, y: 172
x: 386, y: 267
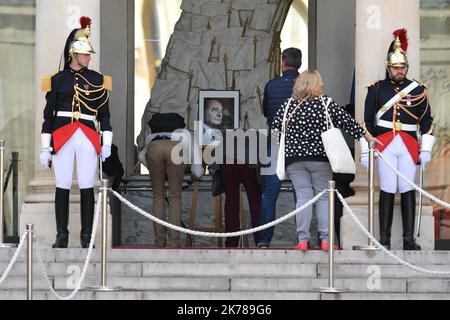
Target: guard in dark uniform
x: 75, y: 112
x: 397, y: 112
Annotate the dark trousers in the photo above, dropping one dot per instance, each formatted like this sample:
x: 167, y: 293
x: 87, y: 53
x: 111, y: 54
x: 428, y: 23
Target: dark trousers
x: 233, y: 175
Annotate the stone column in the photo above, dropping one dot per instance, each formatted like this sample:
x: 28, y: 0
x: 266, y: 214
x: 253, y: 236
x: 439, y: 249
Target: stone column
x: 375, y: 22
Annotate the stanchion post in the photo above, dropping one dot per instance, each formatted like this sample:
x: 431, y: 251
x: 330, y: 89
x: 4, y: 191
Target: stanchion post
x: 30, y: 233
x: 2, y: 186
x: 331, y: 200
x: 104, y: 228
x: 103, y: 286
x: 371, y: 195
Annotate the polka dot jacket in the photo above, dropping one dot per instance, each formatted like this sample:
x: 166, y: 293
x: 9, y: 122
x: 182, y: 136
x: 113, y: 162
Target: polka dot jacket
x: 305, y: 125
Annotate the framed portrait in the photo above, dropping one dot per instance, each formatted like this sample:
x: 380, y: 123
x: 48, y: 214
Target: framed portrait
x: 219, y: 109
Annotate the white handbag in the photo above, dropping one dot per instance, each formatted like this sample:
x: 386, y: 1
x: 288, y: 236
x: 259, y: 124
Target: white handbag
x: 281, y: 169
x: 336, y: 147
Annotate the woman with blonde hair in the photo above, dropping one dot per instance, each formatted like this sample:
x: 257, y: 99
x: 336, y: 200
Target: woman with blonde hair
x: 306, y: 163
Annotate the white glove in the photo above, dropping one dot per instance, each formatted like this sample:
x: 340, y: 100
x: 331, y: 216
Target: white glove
x: 107, y: 142
x: 364, y: 160
x: 45, y: 155
x: 425, y: 157
x: 106, y: 152
x: 45, y: 158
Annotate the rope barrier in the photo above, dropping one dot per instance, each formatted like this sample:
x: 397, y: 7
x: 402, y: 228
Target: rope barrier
x: 216, y: 234
x: 14, y: 258
x: 86, y: 262
x: 225, y: 234
x: 417, y: 188
x: 382, y: 248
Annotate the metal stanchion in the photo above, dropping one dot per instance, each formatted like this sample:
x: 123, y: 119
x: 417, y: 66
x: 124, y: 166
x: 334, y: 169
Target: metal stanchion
x: 371, y: 196
x: 30, y: 233
x: 2, y: 186
x: 103, y: 286
x: 331, y: 288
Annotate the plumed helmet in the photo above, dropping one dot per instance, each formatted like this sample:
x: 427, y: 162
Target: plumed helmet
x: 397, y: 50
x: 77, y: 41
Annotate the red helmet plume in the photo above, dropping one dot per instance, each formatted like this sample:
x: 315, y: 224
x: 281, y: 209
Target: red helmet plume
x: 85, y: 22
x: 403, y: 37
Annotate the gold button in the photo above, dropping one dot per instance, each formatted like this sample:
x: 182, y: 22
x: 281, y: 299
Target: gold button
x: 76, y: 84
x: 398, y: 114
x: 398, y: 120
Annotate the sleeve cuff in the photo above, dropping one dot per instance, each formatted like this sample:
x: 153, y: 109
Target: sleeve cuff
x: 107, y: 138
x: 427, y: 142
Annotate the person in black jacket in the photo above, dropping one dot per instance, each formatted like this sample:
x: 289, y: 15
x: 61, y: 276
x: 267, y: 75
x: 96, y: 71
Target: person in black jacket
x: 396, y: 110
x: 276, y: 92
x: 76, y: 108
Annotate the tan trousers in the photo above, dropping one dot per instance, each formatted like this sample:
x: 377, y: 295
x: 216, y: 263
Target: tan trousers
x: 161, y: 165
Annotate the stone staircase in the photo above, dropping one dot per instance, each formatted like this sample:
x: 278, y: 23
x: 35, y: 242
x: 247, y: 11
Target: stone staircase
x: 222, y: 274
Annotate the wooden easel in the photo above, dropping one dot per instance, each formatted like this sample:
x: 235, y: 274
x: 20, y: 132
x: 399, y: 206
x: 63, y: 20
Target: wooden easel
x: 218, y: 226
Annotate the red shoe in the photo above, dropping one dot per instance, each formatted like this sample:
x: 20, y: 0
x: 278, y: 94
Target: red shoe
x: 303, y: 245
x: 324, y: 246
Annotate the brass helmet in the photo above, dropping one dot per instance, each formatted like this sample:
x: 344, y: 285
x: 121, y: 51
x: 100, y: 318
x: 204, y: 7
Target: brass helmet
x: 80, y: 42
x: 397, y: 51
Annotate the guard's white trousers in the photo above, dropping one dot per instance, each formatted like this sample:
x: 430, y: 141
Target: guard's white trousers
x: 398, y: 155
x: 80, y: 148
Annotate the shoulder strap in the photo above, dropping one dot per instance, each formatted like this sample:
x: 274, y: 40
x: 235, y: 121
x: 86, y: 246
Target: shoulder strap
x: 396, y: 99
x: 327, y: 115
x: 283, y: 124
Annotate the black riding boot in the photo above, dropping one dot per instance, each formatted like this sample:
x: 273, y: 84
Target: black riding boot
x: 87, y: 216
x: 408, y: 204
x: 386, y: 213
x: 62, y: 218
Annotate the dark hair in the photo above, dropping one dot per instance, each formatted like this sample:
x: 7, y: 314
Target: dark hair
x: 292, y: 57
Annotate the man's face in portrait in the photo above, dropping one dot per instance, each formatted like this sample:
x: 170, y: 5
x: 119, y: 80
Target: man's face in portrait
x: 214, y: 112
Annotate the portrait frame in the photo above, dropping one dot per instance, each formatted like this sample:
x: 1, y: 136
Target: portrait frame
x: 229, y: 99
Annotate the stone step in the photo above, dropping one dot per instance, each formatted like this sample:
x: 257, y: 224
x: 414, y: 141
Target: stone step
x: 280, y: 270
x: 384, y: 296
x: 221, y: 295
x: 237, y: 284
x: 162, y: 295
x: 255, y: 256
x: 351, y: 271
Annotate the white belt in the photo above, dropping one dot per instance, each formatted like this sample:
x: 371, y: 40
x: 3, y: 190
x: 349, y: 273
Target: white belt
x: 404, y: 127
x: 76, y: 115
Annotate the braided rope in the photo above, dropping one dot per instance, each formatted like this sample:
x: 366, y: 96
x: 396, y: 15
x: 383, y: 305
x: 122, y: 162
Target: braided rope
x: 402, y: 176
x: 86, y: 262
x: 382, y: 248
x: 14, y: 258
x: 216, y: 234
